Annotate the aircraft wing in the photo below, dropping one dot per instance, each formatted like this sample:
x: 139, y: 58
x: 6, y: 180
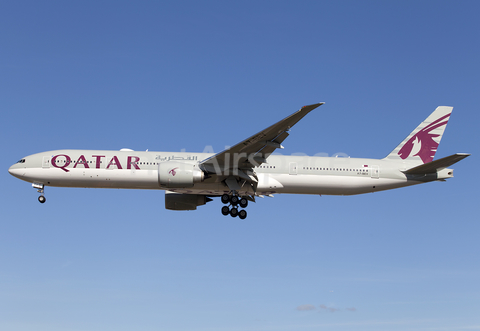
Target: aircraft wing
x: 254, y: 150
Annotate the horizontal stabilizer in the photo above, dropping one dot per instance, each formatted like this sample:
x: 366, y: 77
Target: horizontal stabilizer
x: 434, y: 166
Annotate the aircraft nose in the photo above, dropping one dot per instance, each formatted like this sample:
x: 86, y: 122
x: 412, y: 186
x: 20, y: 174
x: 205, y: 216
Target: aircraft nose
x: 15, y: 171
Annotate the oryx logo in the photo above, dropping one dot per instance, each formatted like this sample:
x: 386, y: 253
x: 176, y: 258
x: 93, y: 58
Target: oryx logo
x: 422, y: 143
x: 173, y: 172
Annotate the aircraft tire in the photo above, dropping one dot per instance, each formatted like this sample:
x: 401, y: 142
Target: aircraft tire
x: 242, y: 214
x: 243, y: 202
x: 225, y: 198
x: 234, y: 212
x: 42, y: 199
x: 234, y: 200
x: 225, y: 210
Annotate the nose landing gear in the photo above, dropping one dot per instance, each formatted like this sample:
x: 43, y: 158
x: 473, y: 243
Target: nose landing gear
x: 40, y: 189
x: 234, y: 200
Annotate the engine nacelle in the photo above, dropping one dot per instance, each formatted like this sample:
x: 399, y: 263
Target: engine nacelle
x: 179, y: 174
x: 181, y: 201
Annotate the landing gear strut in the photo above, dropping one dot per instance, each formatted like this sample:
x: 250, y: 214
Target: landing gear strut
x: 234, y: 200
x: 40, y: 189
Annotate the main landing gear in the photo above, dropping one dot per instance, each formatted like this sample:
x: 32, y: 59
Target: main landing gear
x: 40, y: 189
x: 234, y: 201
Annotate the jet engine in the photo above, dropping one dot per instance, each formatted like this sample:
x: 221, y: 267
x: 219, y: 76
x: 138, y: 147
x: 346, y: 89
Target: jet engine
x: 179, y: 174
x: 181, y: 201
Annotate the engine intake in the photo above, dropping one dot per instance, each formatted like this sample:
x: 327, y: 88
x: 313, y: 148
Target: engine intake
x: 179, y: 174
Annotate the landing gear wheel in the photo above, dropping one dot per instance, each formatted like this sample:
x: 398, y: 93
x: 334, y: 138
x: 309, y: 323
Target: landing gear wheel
x: 234, y: 200
x: 225, y: 210
x: 242, y: 214
x: 234, y: 212
x: 243, y: 202
x: 225, y: 198
x: 42, y: 199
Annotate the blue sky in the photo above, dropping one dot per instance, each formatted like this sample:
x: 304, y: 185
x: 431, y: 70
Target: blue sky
x: 188, y: 75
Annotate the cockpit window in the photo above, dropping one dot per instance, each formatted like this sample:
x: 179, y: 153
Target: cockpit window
x: 21, y: 161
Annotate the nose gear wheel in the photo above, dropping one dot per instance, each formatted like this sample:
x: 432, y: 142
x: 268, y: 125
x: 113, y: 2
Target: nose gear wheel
x: 40, y: 189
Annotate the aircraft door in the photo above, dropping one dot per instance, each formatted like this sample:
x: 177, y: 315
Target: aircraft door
x: 293, y: 168
x: 375, y: 171
x: 46, y: 162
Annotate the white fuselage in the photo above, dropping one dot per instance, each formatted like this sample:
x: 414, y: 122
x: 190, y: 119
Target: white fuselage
x: 281, y: 174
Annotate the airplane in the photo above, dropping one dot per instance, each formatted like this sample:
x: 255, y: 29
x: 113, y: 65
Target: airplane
x: 246, y: 171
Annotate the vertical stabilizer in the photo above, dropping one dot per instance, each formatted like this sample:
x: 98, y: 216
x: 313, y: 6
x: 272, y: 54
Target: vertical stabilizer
x: 421, y: 145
